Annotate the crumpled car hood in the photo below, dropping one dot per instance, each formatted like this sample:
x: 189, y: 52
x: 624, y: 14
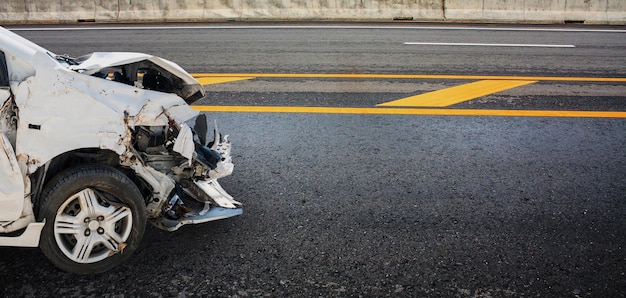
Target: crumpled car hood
x: 97, y: 61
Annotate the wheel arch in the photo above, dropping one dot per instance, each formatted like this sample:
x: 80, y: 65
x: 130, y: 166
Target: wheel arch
x: 68, y: 160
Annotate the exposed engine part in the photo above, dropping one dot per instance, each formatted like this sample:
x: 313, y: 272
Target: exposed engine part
x: 195, y: 188
x: 150, y: 139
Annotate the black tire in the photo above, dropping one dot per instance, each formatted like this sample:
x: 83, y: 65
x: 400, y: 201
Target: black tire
x: 95, y: 219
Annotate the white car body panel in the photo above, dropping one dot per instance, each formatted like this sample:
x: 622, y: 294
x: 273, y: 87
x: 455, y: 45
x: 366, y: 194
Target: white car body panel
x: 12, y: 184
x: 97, y: 108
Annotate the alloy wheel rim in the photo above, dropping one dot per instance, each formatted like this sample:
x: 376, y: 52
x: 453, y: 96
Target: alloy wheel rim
x: 89, y: 228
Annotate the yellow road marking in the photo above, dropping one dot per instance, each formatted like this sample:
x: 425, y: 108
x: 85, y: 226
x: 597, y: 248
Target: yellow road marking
x: 214, y: 78
x: 404, y: 76
x: 399, y: 111
x: 454, y: 95
x: 219, y: 80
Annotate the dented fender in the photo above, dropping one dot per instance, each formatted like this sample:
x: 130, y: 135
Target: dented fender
x: 102, y: 114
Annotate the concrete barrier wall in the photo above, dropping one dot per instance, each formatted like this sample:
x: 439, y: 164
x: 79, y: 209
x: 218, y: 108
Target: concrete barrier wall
x: 538, y: 11
x: 521, y: 11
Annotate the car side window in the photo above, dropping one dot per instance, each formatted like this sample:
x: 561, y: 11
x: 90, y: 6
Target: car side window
x: 4, y: 72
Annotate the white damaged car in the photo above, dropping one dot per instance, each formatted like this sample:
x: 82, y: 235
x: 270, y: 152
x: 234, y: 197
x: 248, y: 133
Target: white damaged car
x: 95, y: 147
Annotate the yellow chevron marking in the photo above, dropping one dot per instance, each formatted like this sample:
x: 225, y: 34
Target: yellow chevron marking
x: 449, y: 96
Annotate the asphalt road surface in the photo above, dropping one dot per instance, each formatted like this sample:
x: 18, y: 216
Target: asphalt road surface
x: 355, y: 201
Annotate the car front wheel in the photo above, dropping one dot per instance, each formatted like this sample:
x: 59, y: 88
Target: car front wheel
x: 95, y: 219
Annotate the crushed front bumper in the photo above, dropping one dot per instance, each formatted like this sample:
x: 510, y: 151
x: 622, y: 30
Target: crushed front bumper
x: 188, y: 192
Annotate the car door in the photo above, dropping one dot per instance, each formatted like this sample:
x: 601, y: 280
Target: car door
x: 11, y: 180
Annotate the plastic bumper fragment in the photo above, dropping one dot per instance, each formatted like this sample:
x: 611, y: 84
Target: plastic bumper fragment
x: 214, y: 213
